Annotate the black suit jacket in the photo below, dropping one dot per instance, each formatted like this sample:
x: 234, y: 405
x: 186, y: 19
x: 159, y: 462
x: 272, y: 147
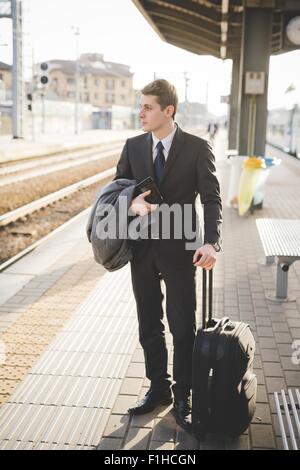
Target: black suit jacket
x: 189, y: 170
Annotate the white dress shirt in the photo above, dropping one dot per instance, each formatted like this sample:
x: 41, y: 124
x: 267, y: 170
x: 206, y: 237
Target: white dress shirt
x: 167, y: 142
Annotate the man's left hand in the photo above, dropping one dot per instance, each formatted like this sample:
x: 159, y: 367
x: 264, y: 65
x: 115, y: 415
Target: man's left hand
x: 205, y: 257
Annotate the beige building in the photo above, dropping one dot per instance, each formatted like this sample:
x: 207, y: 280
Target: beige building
x: 5, y: 98
x: 5, y: 81
x: 102, y: 83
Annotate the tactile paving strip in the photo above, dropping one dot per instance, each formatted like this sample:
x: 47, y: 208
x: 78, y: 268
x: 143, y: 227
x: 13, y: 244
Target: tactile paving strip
x: 87, y: 392
x: 53, y: 424
x: 94, y: 342
x: 20, y: 360
x: 67, y: 397
x: 104, y: 324
x: 29, y: 349
x: 7, y: 386
x: 78, y: 364
x: 39, y: 323
x: 26, y: 339
x: 13, y: 372
x: 38, y: 329
x: 19, y: 445
x: 37, y: 320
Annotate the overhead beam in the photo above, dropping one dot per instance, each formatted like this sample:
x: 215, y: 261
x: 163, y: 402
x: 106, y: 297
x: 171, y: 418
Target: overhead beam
x: 185, y: 32
x: 191, y: 45
x: 183, y: 18
x: 190, y: 8
x: 147, y: 17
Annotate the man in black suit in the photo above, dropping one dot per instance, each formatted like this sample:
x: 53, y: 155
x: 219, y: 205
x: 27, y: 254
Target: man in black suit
x: 182, y: 166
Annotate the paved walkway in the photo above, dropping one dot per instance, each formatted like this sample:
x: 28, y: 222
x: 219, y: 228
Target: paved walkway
x: 70, y: 338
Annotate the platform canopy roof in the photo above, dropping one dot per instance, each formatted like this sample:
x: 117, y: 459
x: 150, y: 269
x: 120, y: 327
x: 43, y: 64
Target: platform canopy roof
x: 211, y: 27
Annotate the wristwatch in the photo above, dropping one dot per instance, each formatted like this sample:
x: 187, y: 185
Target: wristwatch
x: 216, y: 245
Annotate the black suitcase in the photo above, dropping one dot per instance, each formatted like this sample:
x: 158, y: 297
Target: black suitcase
x: 224, y: 386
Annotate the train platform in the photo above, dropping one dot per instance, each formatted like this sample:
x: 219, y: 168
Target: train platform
x: 70, y: 360
x: 47, y: 144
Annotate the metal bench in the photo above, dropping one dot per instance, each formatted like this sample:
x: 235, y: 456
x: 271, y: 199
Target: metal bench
x: 287, y: 408
x: 281, y: 240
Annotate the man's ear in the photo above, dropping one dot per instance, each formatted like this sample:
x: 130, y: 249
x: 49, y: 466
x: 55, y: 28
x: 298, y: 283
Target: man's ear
x: 170, y: 110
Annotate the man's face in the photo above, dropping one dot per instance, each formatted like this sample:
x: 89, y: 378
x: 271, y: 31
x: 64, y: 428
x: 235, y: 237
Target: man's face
x: 151, y: 115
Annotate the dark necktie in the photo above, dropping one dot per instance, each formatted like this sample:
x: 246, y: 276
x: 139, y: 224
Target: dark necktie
x: 159, y: 162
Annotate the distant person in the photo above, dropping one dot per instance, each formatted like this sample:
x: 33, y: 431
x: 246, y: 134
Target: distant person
x: 212, y: 130
x: 182, y: 166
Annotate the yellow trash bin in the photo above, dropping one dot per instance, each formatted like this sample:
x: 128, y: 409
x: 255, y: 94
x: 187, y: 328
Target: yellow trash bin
x: 251, y: 173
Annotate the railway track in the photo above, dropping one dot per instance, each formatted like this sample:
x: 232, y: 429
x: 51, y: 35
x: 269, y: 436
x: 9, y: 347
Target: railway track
x: 27, y: 209
x: 25, y: 232
x: 23, y: 171
x: 23, y: 228
x: 38, y: 242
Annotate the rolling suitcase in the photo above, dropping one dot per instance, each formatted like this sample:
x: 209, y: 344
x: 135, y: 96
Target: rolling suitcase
x: 223, y: 385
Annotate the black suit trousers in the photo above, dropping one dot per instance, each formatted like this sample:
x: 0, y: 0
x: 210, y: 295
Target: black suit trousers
x: 167, y: 260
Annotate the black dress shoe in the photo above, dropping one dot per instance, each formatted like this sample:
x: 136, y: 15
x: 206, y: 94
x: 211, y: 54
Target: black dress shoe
x: 151, y: 400
x: 182, y: 413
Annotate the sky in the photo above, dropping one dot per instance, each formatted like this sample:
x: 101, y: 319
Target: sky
x: 118, y: 30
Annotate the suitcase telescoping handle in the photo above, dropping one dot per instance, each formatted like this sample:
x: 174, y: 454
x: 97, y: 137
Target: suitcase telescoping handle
x: 205, y: 321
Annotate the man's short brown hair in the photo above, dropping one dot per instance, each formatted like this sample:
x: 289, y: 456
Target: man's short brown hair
x: 164, y: 91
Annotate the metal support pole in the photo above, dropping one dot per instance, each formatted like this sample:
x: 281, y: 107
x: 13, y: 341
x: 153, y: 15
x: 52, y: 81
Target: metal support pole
x: 252, y: 125
x: 43, y: 113
x: 32, y: 94
x: 32, y: 120
x: 282, y: 280
x: 233, y: 110
x: 77, y: 78
x: 17, y: 71
x: 292, y: 114
x: 255, y: 55
x: 281, y: 293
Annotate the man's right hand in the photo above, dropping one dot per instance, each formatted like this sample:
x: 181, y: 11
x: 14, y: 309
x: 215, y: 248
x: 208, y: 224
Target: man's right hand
x: 141, y: 207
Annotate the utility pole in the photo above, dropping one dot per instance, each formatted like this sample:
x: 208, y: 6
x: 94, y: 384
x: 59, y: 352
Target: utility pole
x: 206, y: 97
x: 43, y: 113
x: 186, y: 114
x: 17, y: 71
x: 186, y: 79
x: 13, y: 9
x: 32, y: 95
x: 2, y: 89
x: 77, y: 77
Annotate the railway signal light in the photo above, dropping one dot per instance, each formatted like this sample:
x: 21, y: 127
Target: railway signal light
x: 29, y: 98
x: 44, y: 79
